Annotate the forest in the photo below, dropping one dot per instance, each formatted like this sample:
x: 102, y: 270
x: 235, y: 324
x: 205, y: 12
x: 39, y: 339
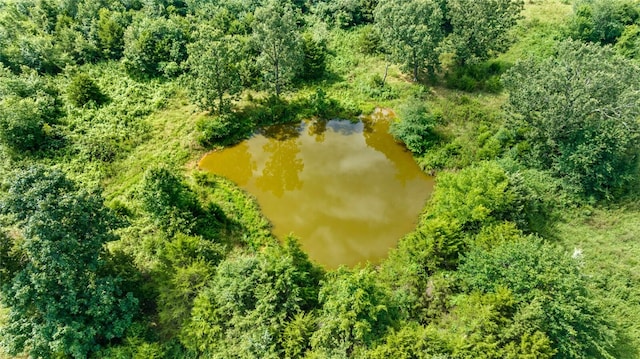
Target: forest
x: 115, y: 244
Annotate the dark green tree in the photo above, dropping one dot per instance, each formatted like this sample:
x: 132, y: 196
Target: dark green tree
x: 578, y: 113
x: 83, y: 89
x: 276, y: 35
x: 61, y: 300
x: 315, y: 57
x: 355, y: 312
x: 480, y: 27
x: 412, y: 31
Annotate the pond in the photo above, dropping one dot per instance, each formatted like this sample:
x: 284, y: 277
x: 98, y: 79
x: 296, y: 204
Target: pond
x: 346, y: 189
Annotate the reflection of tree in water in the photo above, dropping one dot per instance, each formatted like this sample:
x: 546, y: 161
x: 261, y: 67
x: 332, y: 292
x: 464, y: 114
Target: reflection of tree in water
x: 281, y: 170
x: 317, y: 128
x: 282, y: 132
x: 376, y: 135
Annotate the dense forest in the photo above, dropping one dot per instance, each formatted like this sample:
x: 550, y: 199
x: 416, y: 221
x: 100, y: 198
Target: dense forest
x: 113, y: 244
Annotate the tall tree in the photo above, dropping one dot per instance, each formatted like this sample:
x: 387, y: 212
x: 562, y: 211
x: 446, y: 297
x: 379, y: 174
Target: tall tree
x: 480, y: 27
x: 61, y: 300
x: 276, y: 35
x: 411, y: 30
x: 578, y: 113
x: 213, y: 65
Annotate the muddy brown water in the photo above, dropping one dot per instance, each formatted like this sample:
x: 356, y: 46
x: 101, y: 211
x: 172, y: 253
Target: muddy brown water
x: 346, y: 189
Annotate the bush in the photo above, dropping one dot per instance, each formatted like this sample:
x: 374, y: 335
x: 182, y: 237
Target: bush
x: 477, y: 77
x: 224, y: 129
x: 415, y: 126
x: 22, y: 126
x: 83, y: 90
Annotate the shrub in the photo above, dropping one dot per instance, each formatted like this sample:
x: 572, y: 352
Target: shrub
x: 415, y: 126
x: 83, y: 90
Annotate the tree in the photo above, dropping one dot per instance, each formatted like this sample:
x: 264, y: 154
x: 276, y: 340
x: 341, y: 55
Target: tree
x: 480, y: 27
x: 354, y: 313
x: 414, y: 126
x: 578, y: 115
x: 412, y: 31
x: 22, y: 125
x: 61, y: 300
x: 154, y: 46
x: 247, y: 306
x: 213, y: 68
x: 83, y: 90
x: 550, y: 292
x: 602, y: 21
x: 276, y: 35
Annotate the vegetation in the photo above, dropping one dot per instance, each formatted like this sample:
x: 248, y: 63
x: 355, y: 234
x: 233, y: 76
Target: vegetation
x: 114, y: 245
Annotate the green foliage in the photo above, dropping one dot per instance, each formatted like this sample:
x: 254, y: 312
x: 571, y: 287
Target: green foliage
x: 188, y: 264
x: 223, y: 129
x: 83, y: 90
x: 578, y: 114
x: 28, y: 105
x: 22, y: 125
x: 415, y: 126
x: 315, y: 58
x: 411, y: 341
x: 480, y: 28
x: 345, y: 13
x: 213, y: 69
x: 277, y: 37
x: 111, y: 27
x: 550, y: 292
x: 483, y: 76
x: 174, y: 207
x: 248, y: 304
x: 629, y: 42
x: 602, y: 21
x: 155, y: 46
x: 411, y: 30
x: 355, y: 313
x: 61, y: 301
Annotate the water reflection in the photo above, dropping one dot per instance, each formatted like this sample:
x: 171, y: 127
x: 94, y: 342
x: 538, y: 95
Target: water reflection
x: 347, y: 190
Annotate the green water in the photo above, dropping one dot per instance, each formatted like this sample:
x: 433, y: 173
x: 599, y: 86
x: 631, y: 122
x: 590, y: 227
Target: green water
x: 347, y: 190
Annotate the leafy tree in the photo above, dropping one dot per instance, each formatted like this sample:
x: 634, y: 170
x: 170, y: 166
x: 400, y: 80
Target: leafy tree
x: 550, y: 292
x: 22, y: 125
x: 355, y: 312
x: 411, y: 30
x: 480, y: 27
x: 83, y: 90
x: 61, y: 301
x: 169, y: 201
x: 345, y: 13
x: 602, y: 21
x: 247, y: 306
x: 276, y: 35
x: 213, y: 68
x: 154, y: 46
x: 414, y: 126
x: 111, y: 27
x: 578, y: 114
